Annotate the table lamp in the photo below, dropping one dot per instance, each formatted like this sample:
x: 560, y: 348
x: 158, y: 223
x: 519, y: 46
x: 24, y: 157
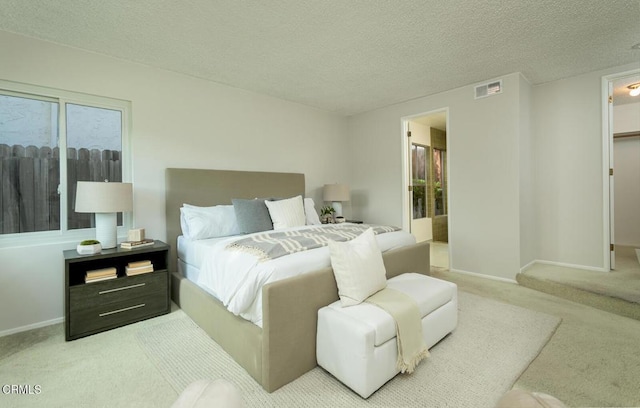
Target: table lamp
x: 105, y: 199
x: 336, y: 193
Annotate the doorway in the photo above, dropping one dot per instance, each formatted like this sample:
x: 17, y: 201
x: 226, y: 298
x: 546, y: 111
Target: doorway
x: 621, y: 142
x: 426, y: 183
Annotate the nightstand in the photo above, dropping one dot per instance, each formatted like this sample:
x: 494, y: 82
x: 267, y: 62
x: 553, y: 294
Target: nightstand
x: 98, y: 306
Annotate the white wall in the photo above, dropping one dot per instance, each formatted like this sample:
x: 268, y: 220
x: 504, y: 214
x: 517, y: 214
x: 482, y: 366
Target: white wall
x: 569, y: 176
x: 526, y: 172
x: 626, y: 162
x: 178, y: 121
x: 528, y: 230
x: 483, y: 153
x: 626, y: 118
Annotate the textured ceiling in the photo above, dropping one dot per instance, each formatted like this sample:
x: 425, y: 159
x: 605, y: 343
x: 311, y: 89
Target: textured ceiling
x: 344, y: 56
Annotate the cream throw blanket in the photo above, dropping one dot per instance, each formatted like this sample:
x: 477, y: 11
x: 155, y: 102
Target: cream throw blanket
x: 405, y: 311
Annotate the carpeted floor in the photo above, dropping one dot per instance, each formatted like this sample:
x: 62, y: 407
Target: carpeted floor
x: 475, y: 365
x: 617, y: 291
x: 592, y: 360
x: 149, y: 363
x: 109, y: 369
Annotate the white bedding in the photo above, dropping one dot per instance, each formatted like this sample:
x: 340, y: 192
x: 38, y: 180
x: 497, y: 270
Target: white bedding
x: 190, y: 255
x: 192, y: 252
x: 236, y: 277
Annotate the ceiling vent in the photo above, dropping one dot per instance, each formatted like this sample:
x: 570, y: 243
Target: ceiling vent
x: 490, y: 89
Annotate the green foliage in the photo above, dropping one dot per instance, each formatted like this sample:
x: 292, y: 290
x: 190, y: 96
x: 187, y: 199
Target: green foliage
x: 327, y: 210
x: 437, y: 189
x: 89, y: 242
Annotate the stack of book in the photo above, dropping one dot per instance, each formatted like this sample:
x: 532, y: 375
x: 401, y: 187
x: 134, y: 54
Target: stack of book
x: 136, y: 268
x: 136, y: 244
x: 98, y: 275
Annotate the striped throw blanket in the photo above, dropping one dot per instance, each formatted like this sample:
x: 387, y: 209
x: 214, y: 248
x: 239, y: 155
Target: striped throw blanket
x: 274, y: 244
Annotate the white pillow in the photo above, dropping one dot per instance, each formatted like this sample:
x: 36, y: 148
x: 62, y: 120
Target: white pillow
x: 286, y: 213
x: 358, y: 268
x: 310, y: 212
x: 208, y: 222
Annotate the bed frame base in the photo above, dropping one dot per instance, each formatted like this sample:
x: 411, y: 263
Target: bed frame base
x: 237, y: 336
x: 285, y: 348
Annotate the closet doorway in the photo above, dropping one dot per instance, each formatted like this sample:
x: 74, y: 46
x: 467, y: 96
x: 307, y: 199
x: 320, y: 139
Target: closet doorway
x: 621, y: 118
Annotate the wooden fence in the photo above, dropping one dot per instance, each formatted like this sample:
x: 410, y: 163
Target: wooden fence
x: 29, y: 199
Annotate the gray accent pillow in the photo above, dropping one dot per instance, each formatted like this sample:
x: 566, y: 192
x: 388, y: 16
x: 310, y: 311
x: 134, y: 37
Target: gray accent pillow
x: 252, y: 215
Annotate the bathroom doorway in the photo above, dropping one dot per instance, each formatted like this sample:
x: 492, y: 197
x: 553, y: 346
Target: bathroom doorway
x: 426, y: 205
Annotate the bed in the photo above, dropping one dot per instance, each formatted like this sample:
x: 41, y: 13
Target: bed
x: 284, y: 347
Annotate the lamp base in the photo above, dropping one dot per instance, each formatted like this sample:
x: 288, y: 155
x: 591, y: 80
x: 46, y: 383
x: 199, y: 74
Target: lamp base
x: 106, y: 229
x: 337, y: 205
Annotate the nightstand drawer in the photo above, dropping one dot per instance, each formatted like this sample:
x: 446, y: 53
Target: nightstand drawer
x: 91, y: 295
x: 110, y: 315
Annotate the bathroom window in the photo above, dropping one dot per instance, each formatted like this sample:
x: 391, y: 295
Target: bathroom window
x: 439, y: 207
x: 419, y: 165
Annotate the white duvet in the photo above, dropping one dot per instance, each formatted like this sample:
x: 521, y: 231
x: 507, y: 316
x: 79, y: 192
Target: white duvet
x: 236, y: 277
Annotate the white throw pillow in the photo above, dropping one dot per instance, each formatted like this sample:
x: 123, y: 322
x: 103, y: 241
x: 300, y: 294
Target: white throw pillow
x: 358, y: 268
x: 310, y: 212
x: 286, y: 213
x: 208, y: 222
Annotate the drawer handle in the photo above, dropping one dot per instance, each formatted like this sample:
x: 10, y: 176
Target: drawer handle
x: 102, y: 292
x: 121, y: 310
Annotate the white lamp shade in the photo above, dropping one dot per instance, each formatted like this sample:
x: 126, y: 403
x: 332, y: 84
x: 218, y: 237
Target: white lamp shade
x: 336, y: 192
x: 103, y: 197
x: 105, y: 200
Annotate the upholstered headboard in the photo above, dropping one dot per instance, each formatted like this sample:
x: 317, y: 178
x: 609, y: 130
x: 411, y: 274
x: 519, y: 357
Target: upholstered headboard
x: 212, y: 187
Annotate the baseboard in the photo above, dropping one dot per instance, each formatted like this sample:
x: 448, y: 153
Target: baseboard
x: 527, y: 266
x: 480, y: 275
x: 568, y: 265
x: 31, y: 326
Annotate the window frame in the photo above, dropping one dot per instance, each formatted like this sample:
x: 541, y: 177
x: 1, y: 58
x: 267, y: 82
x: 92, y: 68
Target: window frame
x: 63, y: 97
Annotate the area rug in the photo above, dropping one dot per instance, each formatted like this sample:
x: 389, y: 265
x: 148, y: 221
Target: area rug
x: 472, y: 367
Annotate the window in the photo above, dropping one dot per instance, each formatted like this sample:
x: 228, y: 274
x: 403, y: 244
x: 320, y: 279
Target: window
x: 49, y: 140
x: 440, y: 207
x: 94, y: 158
x: 30, y: 172
x: 419, y: 167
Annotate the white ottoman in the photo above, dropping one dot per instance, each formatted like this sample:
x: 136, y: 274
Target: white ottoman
x: 357, y: 344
